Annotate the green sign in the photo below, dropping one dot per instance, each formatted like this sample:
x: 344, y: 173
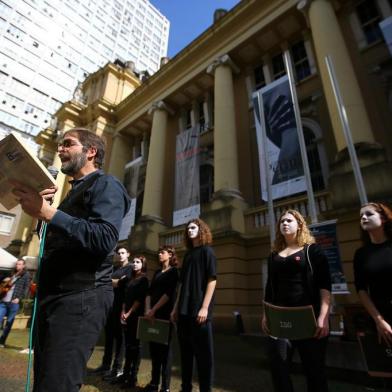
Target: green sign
x: 292, y: 323
x: 153, y: 330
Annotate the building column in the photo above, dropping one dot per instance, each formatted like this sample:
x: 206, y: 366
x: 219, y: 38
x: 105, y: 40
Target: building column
x: 227, y: 207
x: 153, y: 189
x: 328, y: 40
x: 120, y: 155
x: 225, y: 134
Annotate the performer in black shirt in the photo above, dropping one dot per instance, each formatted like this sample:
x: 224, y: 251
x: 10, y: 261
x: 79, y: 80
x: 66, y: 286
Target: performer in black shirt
x: 113, y: 328
x: 194, y: 306
x: 135, y: 291
x: 159, y: 304
x: 74, y: 289
x: 373, y: 267
x: 291, y: 282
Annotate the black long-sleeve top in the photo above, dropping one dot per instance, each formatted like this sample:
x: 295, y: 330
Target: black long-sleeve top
x: 291, y: 282
x: 164, y: 283
x: 373, y: 274
x: 82, y: 235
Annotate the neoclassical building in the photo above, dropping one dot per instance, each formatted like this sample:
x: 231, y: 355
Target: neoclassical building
x: 209, y: 84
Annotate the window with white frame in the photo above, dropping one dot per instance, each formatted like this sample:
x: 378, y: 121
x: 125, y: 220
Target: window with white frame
x: 6, y: 223
x: 259, y: 77
x: 278, y: 68
x: 369, y: 17
x: 300, y: 60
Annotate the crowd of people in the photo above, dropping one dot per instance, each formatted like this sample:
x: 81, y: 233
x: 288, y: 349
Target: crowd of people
x: 78, y: 292
x: 184, y: 299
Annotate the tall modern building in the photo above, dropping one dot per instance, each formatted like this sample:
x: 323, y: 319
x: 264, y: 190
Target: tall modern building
x: 48, y: 47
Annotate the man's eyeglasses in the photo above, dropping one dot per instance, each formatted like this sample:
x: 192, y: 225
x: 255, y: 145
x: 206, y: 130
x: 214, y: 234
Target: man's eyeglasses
x: 68, y: 144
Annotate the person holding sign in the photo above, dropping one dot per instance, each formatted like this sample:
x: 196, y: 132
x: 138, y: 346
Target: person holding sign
x: 373, y: 268
x: 193, y: 308
x: 159, y: 303
x: 298, y: 275
x: 135, y: 291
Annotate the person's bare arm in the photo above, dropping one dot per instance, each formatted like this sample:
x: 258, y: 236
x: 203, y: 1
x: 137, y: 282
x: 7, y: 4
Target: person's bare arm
x: 384, y: 329
x: 150, y: 313
x: 323, y: 318
x: 203, y: 312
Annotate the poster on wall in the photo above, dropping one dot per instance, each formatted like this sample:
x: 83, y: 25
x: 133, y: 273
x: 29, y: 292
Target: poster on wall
x: 131, y: 180
x: 283, y: 149
x: 325, y: 235
x: 187, y: 180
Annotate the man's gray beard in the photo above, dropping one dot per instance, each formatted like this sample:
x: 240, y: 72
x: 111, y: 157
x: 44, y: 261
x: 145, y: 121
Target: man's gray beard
x: 71, y: 167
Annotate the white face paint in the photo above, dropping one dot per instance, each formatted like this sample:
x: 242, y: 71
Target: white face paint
x: 288, y: 225
x: 370, y: 218
x: 193, y: 230
x: 137, y: 264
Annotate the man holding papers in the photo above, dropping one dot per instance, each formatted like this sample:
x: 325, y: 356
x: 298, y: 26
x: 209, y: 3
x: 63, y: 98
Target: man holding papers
x: 74, y: 288
x: 298, y: 281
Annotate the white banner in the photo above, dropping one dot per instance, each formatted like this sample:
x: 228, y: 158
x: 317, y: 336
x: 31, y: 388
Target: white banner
x: 131, y: 180
x: 187, y: 181
x: 283, y: 149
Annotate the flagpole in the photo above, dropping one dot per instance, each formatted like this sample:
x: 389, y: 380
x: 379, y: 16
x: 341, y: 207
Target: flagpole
x: 268, y: 180
x: 347, y: 132
x: 301, y: 139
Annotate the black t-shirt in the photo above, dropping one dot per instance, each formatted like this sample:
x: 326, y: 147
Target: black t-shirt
x: 135, y: 290
x: 198, y: 267
x: 164, y: 283
x: 290, y: 281
x: 373, y: 274
x: 120, y: 273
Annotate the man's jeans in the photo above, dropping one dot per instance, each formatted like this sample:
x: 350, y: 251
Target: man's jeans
x: 10, y: 310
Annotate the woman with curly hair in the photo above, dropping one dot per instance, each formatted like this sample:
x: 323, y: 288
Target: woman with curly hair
x: 297, y: 280
x: 159, y: 303
x: 194, y: 305
x: 373, y: 267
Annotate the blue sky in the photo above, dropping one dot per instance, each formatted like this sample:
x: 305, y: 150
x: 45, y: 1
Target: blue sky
x: 188, y: 19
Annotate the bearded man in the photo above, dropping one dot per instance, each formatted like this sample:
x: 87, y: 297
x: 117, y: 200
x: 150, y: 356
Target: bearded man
x: 75, y: 288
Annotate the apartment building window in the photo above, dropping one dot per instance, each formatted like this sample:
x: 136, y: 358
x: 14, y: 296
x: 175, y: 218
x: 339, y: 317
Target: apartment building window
x: 369, y: 17
x: 9, y: 119
x: 30, y: 128
x: 259, y: 77
x: 6, y: 223
x: 13, y: 102
x: 278, y: 68
x: 300, y: 60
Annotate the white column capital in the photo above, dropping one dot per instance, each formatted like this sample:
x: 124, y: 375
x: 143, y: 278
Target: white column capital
x: 160, y: 105
x: 223, y: 60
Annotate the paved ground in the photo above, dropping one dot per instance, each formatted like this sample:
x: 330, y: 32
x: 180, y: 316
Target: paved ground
x: 240, y: 367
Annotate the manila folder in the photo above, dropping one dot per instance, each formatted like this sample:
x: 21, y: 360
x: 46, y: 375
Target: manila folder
x: 17, y: 162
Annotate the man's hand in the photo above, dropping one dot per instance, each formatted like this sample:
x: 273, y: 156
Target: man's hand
x: 15, y: 301
x: 174, y: 316
x: 33, y: 203
x: 322, y: 329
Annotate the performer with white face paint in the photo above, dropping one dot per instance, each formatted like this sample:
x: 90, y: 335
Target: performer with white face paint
x: 193, y: 308
x: 291, y: 282
x: 373, y: 267
x: 135, y: 291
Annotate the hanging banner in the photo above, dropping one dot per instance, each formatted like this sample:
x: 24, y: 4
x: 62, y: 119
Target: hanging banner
x: 131, y: 180
x: 283, y: 149
x: 325, y: 235
x: 187, y: 182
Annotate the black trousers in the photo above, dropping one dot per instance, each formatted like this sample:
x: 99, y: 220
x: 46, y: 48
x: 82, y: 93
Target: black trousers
x: 132, y: 350
x: 68, y: 328
x: 113, y: 340
x: 196, y: 342
x: 161, y: 361
x: 312, y: 354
